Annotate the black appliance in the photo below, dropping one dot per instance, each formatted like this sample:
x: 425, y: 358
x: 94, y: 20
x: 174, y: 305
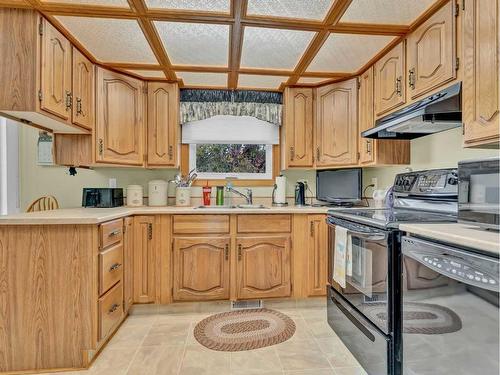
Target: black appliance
x: 339, y: 186
x: 479, y: 192
x: 370, y: 300
x: 450, y: 301
x: 300, y: 194
x: 102, y: 197
x: 435, y: 113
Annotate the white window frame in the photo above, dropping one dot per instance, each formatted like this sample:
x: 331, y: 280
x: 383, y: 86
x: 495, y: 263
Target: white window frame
x: 268, y: 175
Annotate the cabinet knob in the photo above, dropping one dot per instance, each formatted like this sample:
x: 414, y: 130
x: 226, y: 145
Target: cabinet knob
x: 113, y: 308
x: 114, y: 267
x: 69, y: 100
x: 101, y: 146
x: 292, y: 153
x: 240, y: 250
x: 170, y: 152
x: 399, y: 90
x: 150, y: 231
x: 411, y: 78
x: 79, y: 106
x: 317, y: 153
x: 311, y: 229
x: 226, y: 252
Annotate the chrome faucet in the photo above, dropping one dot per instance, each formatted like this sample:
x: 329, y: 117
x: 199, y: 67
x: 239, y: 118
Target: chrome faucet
x: 248, y: 196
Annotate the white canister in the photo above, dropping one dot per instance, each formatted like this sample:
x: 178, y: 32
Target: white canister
x: 183, y: 196
x: 134, y: 196
x: 157, y: 193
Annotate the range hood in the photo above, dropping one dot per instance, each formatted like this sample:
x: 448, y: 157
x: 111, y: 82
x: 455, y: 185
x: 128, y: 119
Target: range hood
x: 434, y: 114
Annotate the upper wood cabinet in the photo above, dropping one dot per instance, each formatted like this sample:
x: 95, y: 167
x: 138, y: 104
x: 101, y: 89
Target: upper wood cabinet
x: 297, y: 136
x: 55, y: 73
x: 120, y: 127
x: 366, y: 116
x: 83, y: 91
x: 37, y: 69
x: 144, y: 260
x: 389, y: 75
x: 336, y: 124
x: 163, y: 125
x: 201, y: 268
x: 317, y: 255
x: 263, y: 267
x: 481, y: 77
x: 431, y: 52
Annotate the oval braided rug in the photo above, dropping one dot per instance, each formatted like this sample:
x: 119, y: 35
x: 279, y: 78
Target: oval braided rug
x: 244, y: 330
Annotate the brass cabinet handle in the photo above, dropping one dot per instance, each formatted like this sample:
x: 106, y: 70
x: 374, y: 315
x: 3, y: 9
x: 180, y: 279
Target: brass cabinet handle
x: 101, y: 146
x: 150, y: 231
x: 69, y: 100
x: 79, y: 106
x: 411, y: 78
x: 226, y: 252
x: 317, y: 153
x: 113, y: 308
x: 399, y: 90
x: 311, y: 229
x: 170, y: 152
x: 116, y: 232
x: 292, y: 153
x: 240, y: 249
x: 114, y: 267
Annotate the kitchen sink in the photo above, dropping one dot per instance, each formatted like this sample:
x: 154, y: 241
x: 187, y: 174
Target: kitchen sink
x: 243, y: 206
x: 217, y: 207
x: 251, y: 206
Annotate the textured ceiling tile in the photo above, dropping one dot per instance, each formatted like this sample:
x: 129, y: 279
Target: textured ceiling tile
x: 148, y: 73
x: 195, y: 43
x: 273, y: 48
x: 222, y: 6
x: 347, y: 53
x: 118, y: 3
x: 312, y: 80
x: 401, y: 12
x: 110, y: 40
x: 305, y: 9
x: 263, y: 82
x: 203, y: 79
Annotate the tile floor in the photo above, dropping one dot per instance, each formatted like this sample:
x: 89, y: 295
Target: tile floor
x: 160, y: 341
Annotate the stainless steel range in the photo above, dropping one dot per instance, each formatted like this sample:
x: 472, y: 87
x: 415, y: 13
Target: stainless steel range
x: 364, y: 308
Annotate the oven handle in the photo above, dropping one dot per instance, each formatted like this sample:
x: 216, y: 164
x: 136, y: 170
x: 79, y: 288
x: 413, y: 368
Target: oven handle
x: 369, y: 235
x: 353, y: 320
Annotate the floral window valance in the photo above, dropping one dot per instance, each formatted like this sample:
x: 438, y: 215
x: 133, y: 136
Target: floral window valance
x: 198, y: 105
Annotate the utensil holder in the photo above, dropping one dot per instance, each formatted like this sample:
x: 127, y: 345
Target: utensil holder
x: 183, y: 196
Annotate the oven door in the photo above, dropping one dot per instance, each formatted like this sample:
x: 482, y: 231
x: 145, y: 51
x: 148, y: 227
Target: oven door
x: 367, y: 286
x: 450, y: 310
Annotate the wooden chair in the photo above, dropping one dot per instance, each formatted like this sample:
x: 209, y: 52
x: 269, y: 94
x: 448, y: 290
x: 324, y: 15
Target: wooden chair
x: 43, y: 204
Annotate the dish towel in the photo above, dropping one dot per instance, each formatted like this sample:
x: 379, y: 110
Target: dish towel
x: 340, y: 256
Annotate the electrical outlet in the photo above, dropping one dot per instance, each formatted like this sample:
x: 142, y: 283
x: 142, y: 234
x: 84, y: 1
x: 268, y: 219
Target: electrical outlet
x: 375, y: 183
x: 112, y: 182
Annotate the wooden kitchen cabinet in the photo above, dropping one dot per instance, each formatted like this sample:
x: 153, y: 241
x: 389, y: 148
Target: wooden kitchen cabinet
x: 83, y: 91
x: 120, y: 119
x: 373, y: 152
x: 263, y: 267
x: 201, y: 268
x: 336, y: 124
x: 144, y: 259
x: 317, y: 256
x: 163, y: 145
x: 297, y: 135
x: 431, y: 52
x: 389, y: 76
x: 481, y: 77
x: 128, y: 263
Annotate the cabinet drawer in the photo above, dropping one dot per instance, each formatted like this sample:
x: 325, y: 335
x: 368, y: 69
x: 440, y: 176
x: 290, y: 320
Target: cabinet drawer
x: 110, y: 311
x: 189, y: 224
x: 264, y: 223
x: 110, y: 268
x: 111, y: 233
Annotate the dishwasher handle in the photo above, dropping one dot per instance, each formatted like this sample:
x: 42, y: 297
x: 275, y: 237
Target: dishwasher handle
x: 356, y: 230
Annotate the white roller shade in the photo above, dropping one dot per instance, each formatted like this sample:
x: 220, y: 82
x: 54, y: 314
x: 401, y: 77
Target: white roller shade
x: 229, y: 130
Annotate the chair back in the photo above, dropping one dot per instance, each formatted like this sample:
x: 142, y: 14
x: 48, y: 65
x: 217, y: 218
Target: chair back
x: 43, y: 204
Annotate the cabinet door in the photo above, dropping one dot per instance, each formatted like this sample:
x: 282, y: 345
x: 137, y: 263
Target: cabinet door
x: 431, y: 52
x: 83, y: 90
x: 390, y: 88
x: 263, y: 267
x: 163, y: 124
x: 55, y: 74
x: 336, y: 124
x: 481, y: 76
x: 201, y: 268
x: 317, y: 256
x: 128, y: 256
x: 144, y: 260
x: 366, y: 117
x: 298, y: 138
x: 120, y: 119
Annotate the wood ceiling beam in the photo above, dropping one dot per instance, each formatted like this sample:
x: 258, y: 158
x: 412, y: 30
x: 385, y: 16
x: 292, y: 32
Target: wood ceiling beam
x: 282, y: 23
x: 134, y: 66
x: 369, y: 29
x: 238, y: 10
x: 200, y: 69
x: 154, y: 40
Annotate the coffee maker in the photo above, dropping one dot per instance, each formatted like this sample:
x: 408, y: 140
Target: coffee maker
x: 300, y: 193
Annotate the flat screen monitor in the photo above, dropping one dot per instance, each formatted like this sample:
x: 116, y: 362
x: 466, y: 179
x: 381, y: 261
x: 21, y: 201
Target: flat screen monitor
x: 339, y: 186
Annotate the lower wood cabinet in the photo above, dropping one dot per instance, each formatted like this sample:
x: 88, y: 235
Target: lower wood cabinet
x: 144, y: 259
x: 110, y: 311
x: 317, y: 256
x: 201, y: 268
x: 128, y: 256
x: 263, y: 267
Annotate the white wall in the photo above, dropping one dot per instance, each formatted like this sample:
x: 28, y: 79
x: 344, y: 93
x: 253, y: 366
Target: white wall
x: 9, y: 167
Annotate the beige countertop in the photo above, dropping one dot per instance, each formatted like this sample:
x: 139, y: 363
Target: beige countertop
x: 460, y: 234
x: 100, y: 215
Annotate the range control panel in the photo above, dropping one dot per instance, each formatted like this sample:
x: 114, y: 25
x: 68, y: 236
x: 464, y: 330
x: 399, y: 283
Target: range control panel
x: 434, y: 182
